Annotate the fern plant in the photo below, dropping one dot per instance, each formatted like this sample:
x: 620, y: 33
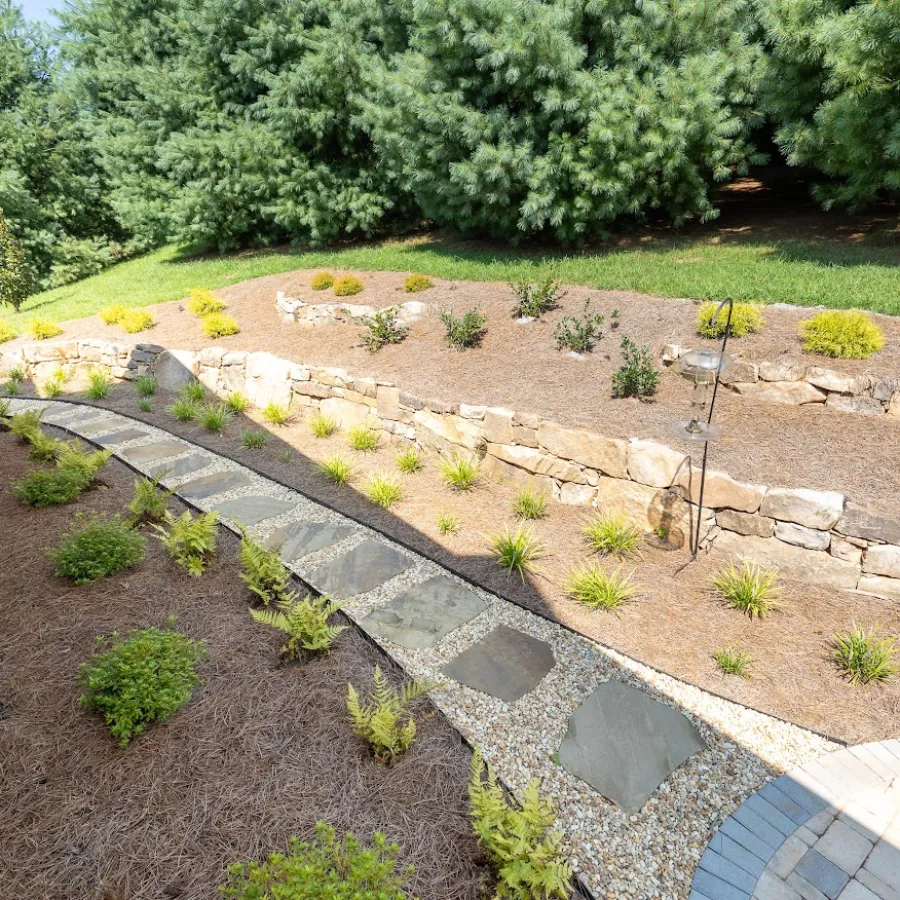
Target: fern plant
x: 26, y: 424
x: 44, y: 448
x: 386, y: 721
x: 190, y: 541
x: 263, y: 572
x: 148, y: 503
x: 305, y: 622
x: 98, y: 384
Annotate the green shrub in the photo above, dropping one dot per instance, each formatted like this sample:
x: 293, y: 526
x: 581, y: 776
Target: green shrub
x: 7, y: 332
x: 579, y: 335
x: 459, y: 472
x: 94, y: 549
x: 275, y: 414
x: 612, y: 533
x: 384, y: 490
x: 98, y: 384
x: 214, y: 417
x: 386, y: 721
x: 16, y: 374
x: 322, y: 281
x: 43, y: 488
x: 149, y: 502
x: 10, y: 388
x: 845, y: 334
x: 595, y: 588
x: 263, y: 572
x: 191, y: 541
x: 347, y: 286
x: 525, y: 851
x: 416, y: 283
x: 746, y: 318
x: 750, y: 588
x: 336, y: 469
x: 326, y: 869
x: 533, y: 300
x: 236, y: 402
x: 364, y: 438
x: 136, y: 320
x: 202, y: 302
x: 383, y: 329
x: 42, y: 329
x: 184, y: 409
x: 863, y: 656
x: 529, y: 504
x: 516, y: 550
x: 193, y: 390
x: 146, y: 385
x: 638, y: 376
x: 139, y: 680
x: 254, y: 439
x: 305, y: 622
x: 466, y: 331
x: 216, y: 325
x: 733, y: 662
x: 112, y: 315
x: 447, y: 523
x: 410, y: 461
x: 4, y: 412
x: 322, y: 426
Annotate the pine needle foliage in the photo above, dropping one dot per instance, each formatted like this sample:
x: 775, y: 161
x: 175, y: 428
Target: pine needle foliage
x: 386, y: 721
x: 305, y: 622
x: 191, y: 541
x: 95, y: 549
x: 865, y: 656
x: 263, y: 572
x: 525, y: 850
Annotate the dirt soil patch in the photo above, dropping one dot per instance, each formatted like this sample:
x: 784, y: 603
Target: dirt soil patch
x: 676, y: 622
x: 259, y: 754
x: 518, y: 366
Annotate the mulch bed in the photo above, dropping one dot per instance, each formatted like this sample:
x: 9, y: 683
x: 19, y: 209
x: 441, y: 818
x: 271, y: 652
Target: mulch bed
x: 259, y: 754
x: 675, y: 624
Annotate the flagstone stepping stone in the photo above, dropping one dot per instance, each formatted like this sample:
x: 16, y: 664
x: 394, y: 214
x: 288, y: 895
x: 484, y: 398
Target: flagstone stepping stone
x: 179, y: 467
x: 505, y: 663
x: 209, y: 485
x: 421, y: 616
x: 151, y: 452
x: 302, y: 538
x: 120, y: 437
x: 90, y: 428
x: 624, y: 743
x: 252, y: 509
x: 366, y: 567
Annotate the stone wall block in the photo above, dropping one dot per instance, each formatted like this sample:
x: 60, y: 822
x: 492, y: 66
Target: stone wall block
x: 654, y: 464
x: 882, y: 559
x: 814, y: 509
x: 801, y: 536
x: 538, y: 463
x: 858, y: 522
x: 608, y: 455
x: 388, y: 402
x: 745, y: 523
x: 793, y: 393
x: 721, y: 491
x: 498, y: 428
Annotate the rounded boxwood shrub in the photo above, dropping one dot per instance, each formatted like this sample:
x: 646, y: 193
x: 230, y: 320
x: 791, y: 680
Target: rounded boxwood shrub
x: 322, y: 281
x: 95, y: 549
x: 747, y: 318
x: 139, y: 680
x: 841, y: 334
x: 347, y: 285
x: 416, y: 283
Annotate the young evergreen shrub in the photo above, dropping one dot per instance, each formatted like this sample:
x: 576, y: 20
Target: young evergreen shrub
x: 347, y: 286
x: 94, y: 549
x: 191, y: 541
x: 112, y: 315
x: 386, y: 722
x: 136, y: 320
x: 746, y: 318
x: 254, y: 439
x: 148, y: 503
x: 216, y: 325
x: 841, y: 334
x: 383, y: 329
x: 533, y: 300
x: 466, y: 331
x: 41, y: 329
x: 638, y: 376
x: 416, y: 283
x: 325, y: 869
x: 322, y: 281
x: 202, y: 302
x: 7, y: 332
x: 98, y: 384
x: 305, y: 622
x: 263, y: 572
x: 43, y: 488
x: 144, y: 678
x: 525, y: 850
x: 579, y: 335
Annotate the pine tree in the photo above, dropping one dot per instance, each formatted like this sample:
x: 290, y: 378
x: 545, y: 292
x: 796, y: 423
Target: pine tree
x: 13, y: 277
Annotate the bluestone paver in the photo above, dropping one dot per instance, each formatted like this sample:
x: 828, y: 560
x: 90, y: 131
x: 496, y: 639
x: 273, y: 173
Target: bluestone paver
x: 119, y: 437
x: 759, y: 826
x: 252, y: 509
x: 299, y: 539
x: 822, y: 874
x: 148, y: 453
x: 210, y: 485
x: 178, y: 468
x: 747, y: 839
x: 801, y: 795
x: 366, y: 567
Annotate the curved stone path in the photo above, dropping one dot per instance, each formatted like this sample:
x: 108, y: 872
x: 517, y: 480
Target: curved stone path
x: 641, y: 766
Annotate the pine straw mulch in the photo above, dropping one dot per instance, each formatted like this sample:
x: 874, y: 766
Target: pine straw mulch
x: 259, y: 754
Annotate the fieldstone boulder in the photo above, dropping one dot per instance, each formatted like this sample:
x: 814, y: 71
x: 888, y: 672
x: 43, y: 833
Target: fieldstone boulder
x: 721, y: 491
x: 814, y: 509
x: 829, y: 380
x: 174, y: 369
x: 785, y: 369
x: 801, y: 536
x: 268, y: 379
x: 346, y: 413
x: 864, y: 406
x: 883, y: 559
x: 577, y: 494
x: 894, y: 405
x: 609, y: 455
x: 745, y: 523
x: 388, y: 402
x: 442, y: 432
x: 654, y: 464
x: 845, y: 550
x: 886, y: 588
x: 793, y: 393
x: 537, y: 462
x: 858, y: 522
x: 498, y: 428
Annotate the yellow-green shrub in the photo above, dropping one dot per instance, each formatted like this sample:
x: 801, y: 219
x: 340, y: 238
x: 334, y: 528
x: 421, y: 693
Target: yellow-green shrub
x: 322, y: 281
x: 112, y: 315
x: 746, y: 318
x: 416, y: 283
x: 347, y: 285
x: 847, y: 334
x: 136, y: 320
x: 202, y: 302
x: 7, y: 332
x: 41, y: 329
x: 219, y: 325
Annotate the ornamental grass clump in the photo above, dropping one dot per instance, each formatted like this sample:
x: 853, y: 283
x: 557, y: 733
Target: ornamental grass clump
x: 202, y: 302
x: 733, y: 662
x: 336, y: 469
x: 459, y: 472
x: 749, y: 588
x: 191, y: 541
x: 414, y: 284
x: 98, y: 384
x: 95, y: 549
x: 322, y: 281
x: 254, y: 439
x: 145, y: 385
x: 410, y: 461
x: 529, y: 504
x: 447, y: 523
x: 364, y: 438
x: 276, y: 414
x: 386, y: 721
x: 347, y: 286
x: 144, y: 678
x: 43, y: 329
x: 305, y: 622
x: 612, y: 533
x: 383, y: 329
x: 322, y: 426
x: 524, y: 848
x: 237, y: 402
x: 217, y: 325
x: 841, y: 334
x: 384, y: 490
x: 598, y: 589
x: 746, y: 318
x: 184, y: 409
x: 193, y: 390
x: 865, y: 656
x: 516, y: 550
x: 145, y: 405
x: 214, y: 417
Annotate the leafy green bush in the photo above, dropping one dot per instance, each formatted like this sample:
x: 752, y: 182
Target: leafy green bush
x: 364, y: 438
x: 347, y: 286
x: 597, y: 589
x: 386, y: 721
x: 254, y: 439
x: 98, y: 384
x: 148, y: 503
x: 638, y: 376
x: 383, y: 329
x: 322, y: 281
x: 136, y: 320
x: 43, y: 488
x: 516, y: 550
x: 733, y: 662
x: 533, y: 300
x: 466, y: 331
x: 322, y: 426
x: 841, y: 334
x: 214, y: 417
x: 94, y: 549
x: 384, y: 490
x: 7, y: 332
x: 139, y: 680
x: 191, y: 541
x: 447, y: 523
x: 416, y: 283
x: 750, y: 588
x: 305, y: 622
x: 216, y: 325
x: 44, y: 448
x: 41, y: 329
x: 263, y: 572
x: 146, y: 385
x: 612, y: 533
x: 525, y: 851
x: 275, y: 414
x: 326, y: 869
x: 112, y: 315
x: 202, y: 302
x: 529, y: 504
x: 459, y: 472
x: 746, y: 318
x: 864, y: 656
x: 410, y: 461
x: 579, y: 335
x: 336, y: 469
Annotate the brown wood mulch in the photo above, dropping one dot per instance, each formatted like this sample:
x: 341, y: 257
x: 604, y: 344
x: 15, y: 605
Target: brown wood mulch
x: 260, y: 753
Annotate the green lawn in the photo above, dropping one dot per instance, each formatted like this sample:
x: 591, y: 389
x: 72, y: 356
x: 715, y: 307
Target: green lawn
x: 828, y: 272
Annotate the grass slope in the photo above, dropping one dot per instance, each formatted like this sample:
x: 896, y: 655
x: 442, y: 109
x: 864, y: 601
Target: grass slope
x: 830, y: 273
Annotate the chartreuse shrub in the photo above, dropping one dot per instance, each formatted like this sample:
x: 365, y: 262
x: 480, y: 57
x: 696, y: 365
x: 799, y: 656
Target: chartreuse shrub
x: 237, y: 402
x: 529, y: 504
x: 417, y: 283
x: 7, y: 332
x: 384, y: 490
x: 638, y: 376
x: 516, y: 550
x: 96, y: 548
x: 263, y: 572
x: 41, y: 329
x: 613, y: 533
x: 136, y: 320
x: 190, y: 540
x: 347, y: 286
x: 459, y: 472
x: 749, y: 588
x: 592, y: 586
x: 336, y: 469
x: 865, y: 656
x: 841, y: 334
x: 216, y: 325
x: 533, y: 300
x: 732, y: 661
x: 386, y: 721
x: 305, y: 622
x: 410, y: 460
x: 324, y: 869
x: 322, y: 281
x: 202, y: 302
x: 112, y: 315
x: 322, y: 426
x: 254, y: 439
x: 364, y: 438
x: 383, y: 329
x: 145, y: 678
x: 148, y: 503
x: 525, y: 850
x: 465, y: 331
x: 746, y: 318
